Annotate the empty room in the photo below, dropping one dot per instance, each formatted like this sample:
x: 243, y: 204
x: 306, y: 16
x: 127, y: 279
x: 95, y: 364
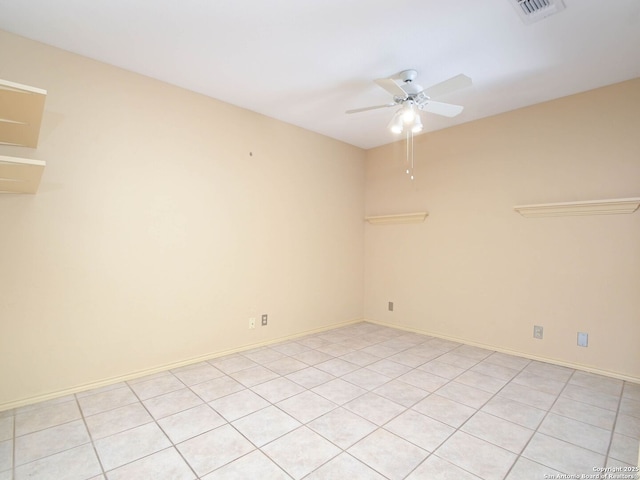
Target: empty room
x: 319, y: 240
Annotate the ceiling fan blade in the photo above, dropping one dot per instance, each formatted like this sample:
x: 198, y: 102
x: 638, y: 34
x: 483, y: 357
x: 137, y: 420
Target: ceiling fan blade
x: 358, y: 110
x: 445, y: 109
x: 390, y: 86
x: 450, y: 85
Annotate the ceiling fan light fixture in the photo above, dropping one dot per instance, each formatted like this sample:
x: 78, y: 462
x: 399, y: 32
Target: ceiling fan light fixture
x: 396, y: 124
x: 408, y: 113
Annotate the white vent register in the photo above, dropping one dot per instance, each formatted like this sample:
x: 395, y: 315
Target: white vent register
x: 531, y: 11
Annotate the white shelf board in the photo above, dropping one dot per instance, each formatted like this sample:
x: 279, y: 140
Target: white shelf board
x: 20, y: 175
x: 589, y: 207
x: 416, y: 217
x: 21, y: 109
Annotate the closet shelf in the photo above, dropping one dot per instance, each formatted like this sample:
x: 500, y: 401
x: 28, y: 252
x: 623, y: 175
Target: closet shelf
x: 589, y: 207
x: 399, y: 218
x: 20, y: 175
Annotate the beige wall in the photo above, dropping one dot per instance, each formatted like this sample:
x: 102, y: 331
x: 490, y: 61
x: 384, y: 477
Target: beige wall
x: 477, y: 271
x: 156, y: 234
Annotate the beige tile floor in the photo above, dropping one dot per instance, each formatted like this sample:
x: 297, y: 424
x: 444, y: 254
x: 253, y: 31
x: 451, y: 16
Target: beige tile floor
x: 362, y: 402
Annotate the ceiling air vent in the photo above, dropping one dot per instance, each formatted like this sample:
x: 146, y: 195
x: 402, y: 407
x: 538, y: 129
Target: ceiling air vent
x: 531, y: 11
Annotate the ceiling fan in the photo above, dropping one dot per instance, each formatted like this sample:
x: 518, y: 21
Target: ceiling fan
x: 411, y: 96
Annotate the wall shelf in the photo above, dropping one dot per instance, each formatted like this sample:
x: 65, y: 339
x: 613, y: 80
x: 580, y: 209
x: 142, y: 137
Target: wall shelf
x: 21, y: 114
x: 20, y: 175
x: 589, y: 207
x: 399, y: 218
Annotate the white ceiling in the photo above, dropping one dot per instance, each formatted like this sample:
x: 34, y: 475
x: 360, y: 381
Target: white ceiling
x: 307, y: 61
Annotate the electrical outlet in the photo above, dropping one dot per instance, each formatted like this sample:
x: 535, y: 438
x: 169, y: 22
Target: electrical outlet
x: 537, y: 332
x: 252, y: 322
x: 264, y: 319
x: 583, y: 339
x: 391, y: 306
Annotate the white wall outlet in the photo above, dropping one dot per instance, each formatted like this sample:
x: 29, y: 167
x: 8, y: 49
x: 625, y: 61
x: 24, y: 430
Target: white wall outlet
x: 391, y: 306
x: 583, y: 339
x: 537, y: 332
x: 252, y: 322
x: 264, y: 319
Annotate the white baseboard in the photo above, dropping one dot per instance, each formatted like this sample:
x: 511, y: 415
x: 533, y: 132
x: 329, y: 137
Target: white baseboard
x: 554, y: 361
x: 161, y: 368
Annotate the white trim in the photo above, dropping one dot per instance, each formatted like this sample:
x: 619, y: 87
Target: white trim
x: 161, y: 368
x: 400, y: 218
x: 588, y: 207
x: 554, y: 361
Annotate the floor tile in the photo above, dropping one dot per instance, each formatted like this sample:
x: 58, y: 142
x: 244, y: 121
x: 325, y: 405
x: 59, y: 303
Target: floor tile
x: 130, y: 445
x: 157, y: 386
x: 578, y: 433
x: 300, y: 452
x: 216, y: 388
x: 464, y: 394
x: 214, y: 449
x: 238, y: 404
x: 445, y: 410
x: 233, y: 363
x: 423, y: 380
x: 277, y: 389
x: 190, y: 423
x: 117, y: 420
x: 519, y: 413
x: 374, y: 450
x: 255, y: 465
x: 528, y: 396
x: 286, y: 365
x: 6, y: 455
x: 342, y: 427
x: 436, y: 468
x: 367, y: 379
x: 170, y: 403
x: 408, y: 359
x: 312, y: 357
x: 289, y: 348
x: 253, y: 376
x: 101, y: 402
x: 46, y: 417
x: 400, y: 392
x: 360, y: 358
x: 481, y: 381
x: 6, y: 428
x: 628, y: 425
x: 163, y: 465
x: 78, y: 463
x: 388, y: 368
x: 498, y: 431
x: 591, y: 397
x: 379, y: 351
x: 631, y: 390
x: 344, y: 466
x: 420, y: 430
x: 555, y: 372
x: 442, y: 369
x: 599, y: 383
x: 457, y: 360
x: 374, y: 408
x: 335, y: 349
x: 310, y: 377
x: 624, y: 448
x: 493, y: 370
x: 306, y: 406
x: 198, y: 373
x: 44, y: 404
x: 539, y: 382
x: 525, y: 468
x: 42, y: 443
x: 337, y: 367
x: 477, y: 456
x: 562, y: 456
x: 630, y: 407
x: 266, y: 425
x: 470, y: 351
x: 506, y: 360
x: 262, y: 355
x: 583, y: 412
x: 338, y: 391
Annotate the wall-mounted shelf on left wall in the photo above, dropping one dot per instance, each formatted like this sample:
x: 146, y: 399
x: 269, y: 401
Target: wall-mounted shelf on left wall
x: 20, y: 175
x: 21, y: 110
